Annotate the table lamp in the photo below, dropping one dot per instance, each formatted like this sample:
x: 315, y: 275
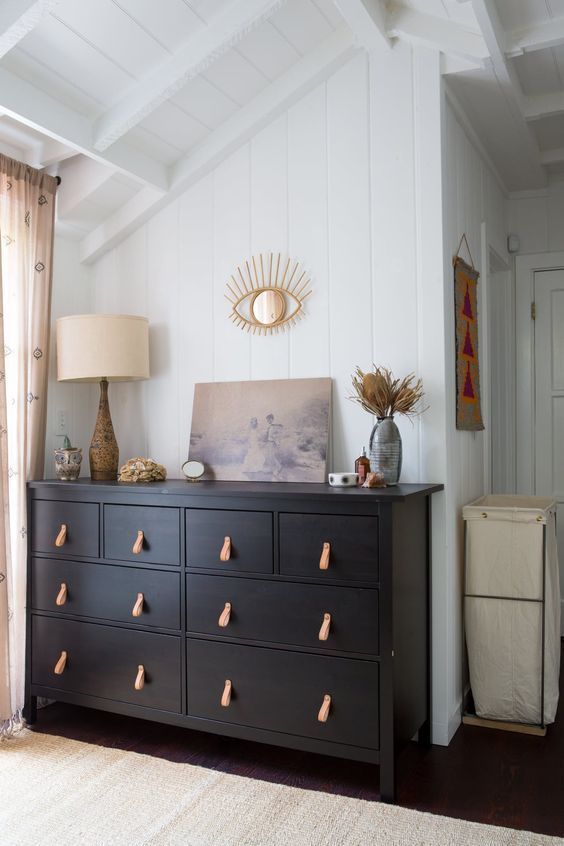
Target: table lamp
x: 102, y: 348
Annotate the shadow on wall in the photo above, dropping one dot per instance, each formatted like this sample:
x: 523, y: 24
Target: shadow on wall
x: 159, y: 350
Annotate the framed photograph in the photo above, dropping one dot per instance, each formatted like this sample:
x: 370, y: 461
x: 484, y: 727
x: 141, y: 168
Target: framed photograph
x: 262, y: 431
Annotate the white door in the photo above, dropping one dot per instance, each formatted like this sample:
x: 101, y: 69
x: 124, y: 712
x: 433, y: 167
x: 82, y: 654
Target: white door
x: 549, y: 395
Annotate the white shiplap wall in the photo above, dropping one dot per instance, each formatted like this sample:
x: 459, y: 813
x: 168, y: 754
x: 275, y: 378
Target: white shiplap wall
x: 537, y: 217
x: 474, y: 204
x: 72, y: 294
x: 350, y: 181
x: 302, y: 187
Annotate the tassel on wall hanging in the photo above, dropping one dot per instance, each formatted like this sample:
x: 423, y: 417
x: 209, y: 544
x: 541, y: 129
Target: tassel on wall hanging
x: 468, y: 406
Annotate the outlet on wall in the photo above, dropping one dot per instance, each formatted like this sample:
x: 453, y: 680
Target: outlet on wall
x: 61, y: 423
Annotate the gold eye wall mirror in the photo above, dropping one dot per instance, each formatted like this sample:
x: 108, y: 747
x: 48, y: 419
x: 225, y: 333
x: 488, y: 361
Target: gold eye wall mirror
x: 268, y: 293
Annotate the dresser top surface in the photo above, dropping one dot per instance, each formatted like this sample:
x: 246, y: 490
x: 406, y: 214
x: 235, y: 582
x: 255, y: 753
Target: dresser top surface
x: 278, y: 490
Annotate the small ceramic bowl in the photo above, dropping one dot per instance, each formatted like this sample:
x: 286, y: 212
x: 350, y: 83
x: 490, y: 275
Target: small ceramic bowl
x: 343, y: 480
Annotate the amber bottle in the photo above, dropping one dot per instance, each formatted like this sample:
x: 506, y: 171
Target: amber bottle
x: 362, y: 467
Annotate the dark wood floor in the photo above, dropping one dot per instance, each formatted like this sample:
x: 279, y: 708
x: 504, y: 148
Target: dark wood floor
x: 484, y: 775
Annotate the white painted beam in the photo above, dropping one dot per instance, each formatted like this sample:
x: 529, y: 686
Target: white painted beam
x: 312, y: 69
x: 238, y: 19
x: 550, y: 157
x: 367, y: 20
x: 18, y: 17
x: 543, y: 105
x: 458, y: 64
x: 496, y: 39
x: 53, y: 152
x: 80, y: 178
x: 21, y: 100
x: 438, y: 33
x: 538, y: 37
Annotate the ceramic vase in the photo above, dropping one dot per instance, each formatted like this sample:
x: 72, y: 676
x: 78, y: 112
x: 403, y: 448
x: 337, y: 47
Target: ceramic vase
x: 386, y: 450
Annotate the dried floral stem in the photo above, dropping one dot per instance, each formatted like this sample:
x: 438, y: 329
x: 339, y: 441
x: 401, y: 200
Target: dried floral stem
x: 379, y: 393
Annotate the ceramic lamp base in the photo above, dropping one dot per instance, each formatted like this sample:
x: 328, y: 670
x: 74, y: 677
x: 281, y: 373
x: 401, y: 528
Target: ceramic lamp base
x: 104, y: 452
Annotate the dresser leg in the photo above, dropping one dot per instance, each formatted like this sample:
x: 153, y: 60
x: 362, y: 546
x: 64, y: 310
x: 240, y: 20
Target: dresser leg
x: 30, y: 710
x: 388, y: 782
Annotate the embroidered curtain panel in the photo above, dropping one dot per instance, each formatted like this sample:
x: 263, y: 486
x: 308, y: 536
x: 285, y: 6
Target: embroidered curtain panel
x: 27, y: 206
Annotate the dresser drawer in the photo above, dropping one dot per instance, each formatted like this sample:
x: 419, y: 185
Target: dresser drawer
x: 244, y: 537
x: 104, y: 661
x: 284, y: 691
x: 281, y: 612
x: 160, y: 543
x: 81, y: 532
x: 352, y: 551
x: 106, y: 592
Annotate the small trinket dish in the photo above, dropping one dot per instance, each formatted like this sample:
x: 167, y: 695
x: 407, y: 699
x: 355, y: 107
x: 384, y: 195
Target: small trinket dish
x: 343, y: 480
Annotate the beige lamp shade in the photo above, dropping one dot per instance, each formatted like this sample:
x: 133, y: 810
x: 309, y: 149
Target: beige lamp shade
x: 91, y: 347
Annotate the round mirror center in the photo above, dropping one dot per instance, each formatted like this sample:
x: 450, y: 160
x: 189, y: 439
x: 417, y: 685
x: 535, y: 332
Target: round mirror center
x: 268, y: 307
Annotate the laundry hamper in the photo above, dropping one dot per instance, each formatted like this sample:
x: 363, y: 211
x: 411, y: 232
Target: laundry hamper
x: 512, y: 609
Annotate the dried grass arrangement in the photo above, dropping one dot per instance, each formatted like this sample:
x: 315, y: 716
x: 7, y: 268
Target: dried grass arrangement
x: 380, y: 393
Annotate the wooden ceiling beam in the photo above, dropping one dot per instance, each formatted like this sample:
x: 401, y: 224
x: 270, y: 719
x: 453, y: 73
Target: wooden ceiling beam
x: 550, y: 157
x: 18, y: 17
x: 80, y: 179
x: 442, y: 34
x: 24, y: 102
x: 198, y: 53
x: 367, y: 20
x: 538, y: 106
x: 537, y: 37
x: 272, y: 101
x: 496, y: 42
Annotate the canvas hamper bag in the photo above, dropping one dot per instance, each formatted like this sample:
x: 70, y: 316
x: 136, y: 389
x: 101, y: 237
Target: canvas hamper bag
x: 509, y: 587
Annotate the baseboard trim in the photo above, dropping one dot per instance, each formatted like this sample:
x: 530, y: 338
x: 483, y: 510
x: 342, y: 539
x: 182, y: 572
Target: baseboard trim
x: 442, y: 733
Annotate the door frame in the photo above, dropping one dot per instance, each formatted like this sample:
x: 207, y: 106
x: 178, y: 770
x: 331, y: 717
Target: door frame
x: 525, y: 268
x: 495, y: 265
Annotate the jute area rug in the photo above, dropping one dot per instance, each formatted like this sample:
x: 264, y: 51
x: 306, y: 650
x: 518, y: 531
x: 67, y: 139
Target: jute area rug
x: 59, y: 792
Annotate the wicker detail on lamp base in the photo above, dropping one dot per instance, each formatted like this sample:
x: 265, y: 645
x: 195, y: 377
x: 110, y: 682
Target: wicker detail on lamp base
x: 104, y: 452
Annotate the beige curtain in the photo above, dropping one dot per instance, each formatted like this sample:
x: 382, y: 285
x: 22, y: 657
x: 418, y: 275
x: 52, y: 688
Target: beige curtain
x: 27, y: 205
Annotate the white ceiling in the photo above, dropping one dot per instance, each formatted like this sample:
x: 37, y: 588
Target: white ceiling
x: 131, y: 100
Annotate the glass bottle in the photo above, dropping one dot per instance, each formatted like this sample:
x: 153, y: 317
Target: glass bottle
x: 362, y: 466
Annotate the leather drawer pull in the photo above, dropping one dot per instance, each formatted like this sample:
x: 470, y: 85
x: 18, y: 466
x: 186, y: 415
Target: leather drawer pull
x: 226, y: 695
x: 325, y: 627
x: 324, y: 560
x: 138, y: 607
x: 62, y: 536
x: 325, y: 708
x: 61, y: 664
x: 225, y: 553
x: 138, y: 545
x: 62, y: 595
x: 225, y: 616
x: 140, y: 679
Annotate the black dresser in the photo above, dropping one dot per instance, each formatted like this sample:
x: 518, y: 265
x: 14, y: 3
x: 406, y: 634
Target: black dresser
x: 296, y: 615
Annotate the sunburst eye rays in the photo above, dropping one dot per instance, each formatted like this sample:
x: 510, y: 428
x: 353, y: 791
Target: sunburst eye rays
x: 267, y: 294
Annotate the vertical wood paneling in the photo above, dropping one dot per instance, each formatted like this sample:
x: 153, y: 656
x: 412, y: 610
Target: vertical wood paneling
x: 195, y: 303
x: 128, y: 399
x: 232, y: 240
x: 471, y: 196
x: 269, y: 233
x: 394, y: 300
x: 72, y: 294
x: 349, y: 250
x: 307, y: 222
x: 161, y: 391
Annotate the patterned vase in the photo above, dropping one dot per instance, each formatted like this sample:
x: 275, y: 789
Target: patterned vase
x: 386, y: 450
x: 104, y: 452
